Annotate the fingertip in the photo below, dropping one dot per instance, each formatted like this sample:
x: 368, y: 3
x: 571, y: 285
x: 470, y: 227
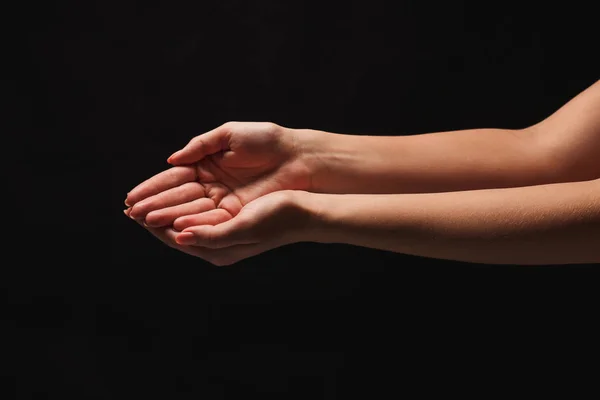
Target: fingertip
x: 131, y: 198
x: 134, y: 213
x: 172, y: 157
x: 179, y: 223
x: 127, y: 211
x: 155, y: 220
x: 190, y: 229
x: 185, y: 238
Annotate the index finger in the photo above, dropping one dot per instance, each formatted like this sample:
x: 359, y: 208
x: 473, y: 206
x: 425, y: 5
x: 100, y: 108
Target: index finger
x: 170, y: 178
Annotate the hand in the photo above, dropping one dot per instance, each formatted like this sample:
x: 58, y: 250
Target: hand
x: 219, y: 172
x: 270, y: 221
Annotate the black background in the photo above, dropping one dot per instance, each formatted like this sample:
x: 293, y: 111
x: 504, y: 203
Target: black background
x: 104, y: 91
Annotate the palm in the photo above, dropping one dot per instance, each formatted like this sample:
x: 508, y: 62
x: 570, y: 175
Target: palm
x: 239, y: 176
x: 256, y: 161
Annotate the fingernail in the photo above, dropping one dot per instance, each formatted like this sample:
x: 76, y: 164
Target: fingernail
x: 127, y: 211
x: 185, y: 238
x: 126, y: 203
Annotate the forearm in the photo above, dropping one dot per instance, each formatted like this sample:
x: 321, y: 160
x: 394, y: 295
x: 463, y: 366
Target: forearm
x: 561, y: 148
x: 434, y: 162
x: 546, y: 224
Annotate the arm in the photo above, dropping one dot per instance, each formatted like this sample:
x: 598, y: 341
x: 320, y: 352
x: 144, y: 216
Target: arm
x: 545, y: 224
x: 561, y: 148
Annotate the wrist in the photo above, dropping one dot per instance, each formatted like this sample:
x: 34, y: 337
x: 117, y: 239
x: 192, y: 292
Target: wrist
x: 313, y: 206
x: 316, y: 151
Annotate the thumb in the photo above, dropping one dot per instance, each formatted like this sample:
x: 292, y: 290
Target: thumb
x: 229, y: 233
x: 201, y: 146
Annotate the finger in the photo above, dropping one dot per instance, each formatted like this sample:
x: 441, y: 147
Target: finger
x: 166, y: 216
x: 229, y: 233
x: 167, y: 236
x: 172, y: 197
x: 212, y: 217
x: 160, y: 182
x: 202, y: 145
x: 219, y: 257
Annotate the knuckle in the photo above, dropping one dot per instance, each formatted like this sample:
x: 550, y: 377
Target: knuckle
x: 186, y: 172
x: 196, y: 140
x: 180, y: 223
x: 229, y: 125
x: 271, y: 126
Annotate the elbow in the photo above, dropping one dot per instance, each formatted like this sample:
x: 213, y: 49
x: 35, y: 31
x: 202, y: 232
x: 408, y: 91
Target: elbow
x: 561, y: 158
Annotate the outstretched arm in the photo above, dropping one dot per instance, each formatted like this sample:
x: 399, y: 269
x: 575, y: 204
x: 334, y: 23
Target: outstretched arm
x: 545, y: 224
x: 533, y: 225
x: 561, y: 148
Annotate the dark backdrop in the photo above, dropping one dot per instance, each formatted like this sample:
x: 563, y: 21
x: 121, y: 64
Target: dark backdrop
x: 96, y: 308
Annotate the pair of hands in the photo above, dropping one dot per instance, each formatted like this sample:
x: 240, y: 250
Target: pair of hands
x: 231, y: 193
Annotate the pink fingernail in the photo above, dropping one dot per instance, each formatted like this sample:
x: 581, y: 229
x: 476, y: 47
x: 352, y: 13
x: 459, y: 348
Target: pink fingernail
x: 170, y: 159
x: 185, y: 238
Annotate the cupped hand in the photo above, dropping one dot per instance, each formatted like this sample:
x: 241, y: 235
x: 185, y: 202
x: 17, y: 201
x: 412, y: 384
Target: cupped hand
x: 218, y: 172
x: 270, y: 221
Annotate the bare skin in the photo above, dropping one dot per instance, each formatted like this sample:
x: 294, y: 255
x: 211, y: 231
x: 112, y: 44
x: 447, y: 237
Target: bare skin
x: 218, y: 173
x: 490, y: 195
